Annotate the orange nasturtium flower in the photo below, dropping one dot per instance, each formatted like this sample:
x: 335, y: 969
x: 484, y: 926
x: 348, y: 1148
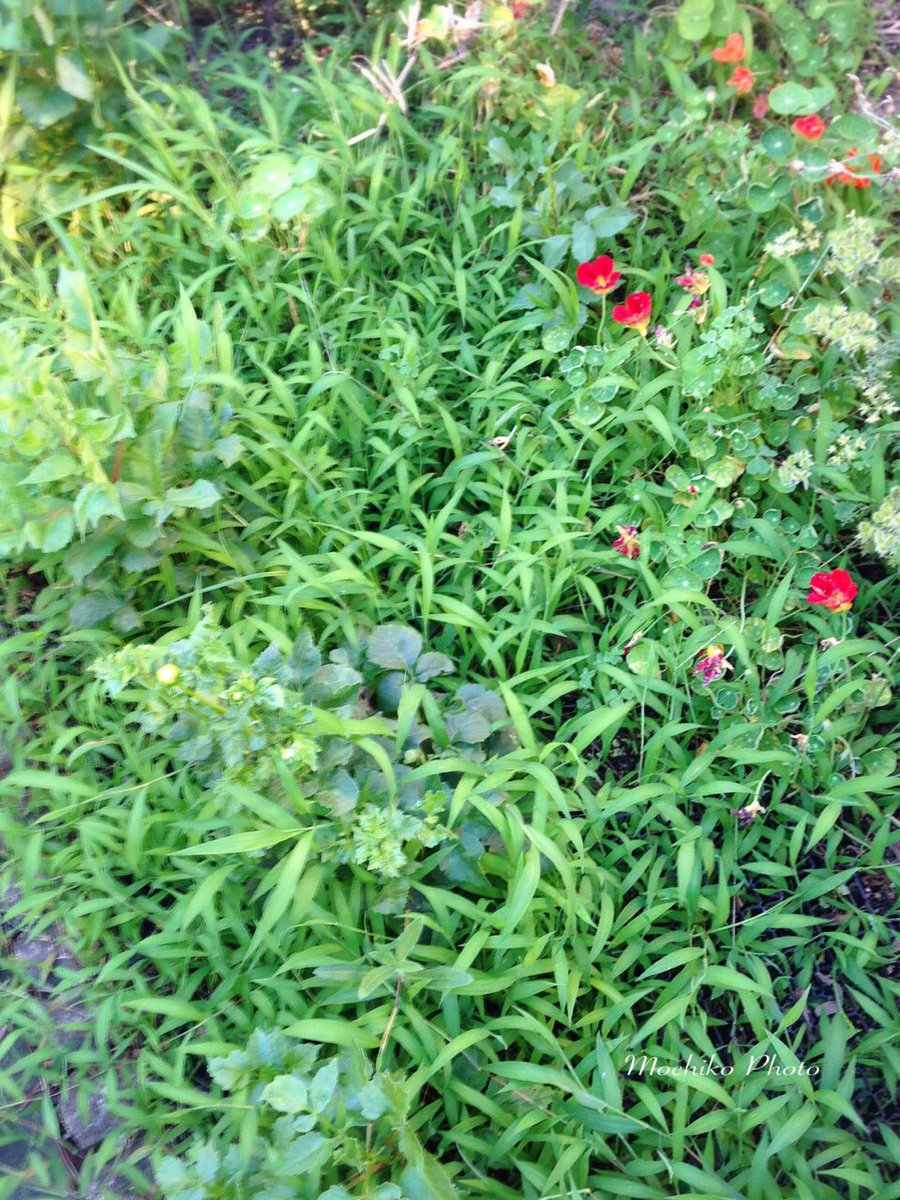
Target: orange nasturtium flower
x: 732, y: 51
x: 849, y: 175
x: 599, y: 276
x: 834, y: 590
x: 635, y: 312
x: 810, y: 128
x: 742, y: 80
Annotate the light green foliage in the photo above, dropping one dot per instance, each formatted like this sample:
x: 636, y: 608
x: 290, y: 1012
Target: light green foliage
x: 101, y: 447
x: 327, y: 1128
x: 60, y: 65
x: 389, y: 751
x: 305, y: 731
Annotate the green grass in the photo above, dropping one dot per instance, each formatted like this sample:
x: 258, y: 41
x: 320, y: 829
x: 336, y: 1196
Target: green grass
x: 622, y: 909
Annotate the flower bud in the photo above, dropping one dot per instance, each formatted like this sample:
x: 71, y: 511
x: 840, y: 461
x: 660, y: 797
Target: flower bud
x: 167, y: 674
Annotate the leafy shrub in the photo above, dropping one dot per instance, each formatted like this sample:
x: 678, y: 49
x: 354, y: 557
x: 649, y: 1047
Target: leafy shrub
x: 102, y: 450
x: 63, y: 57
x: 294, y: 716
x: 326, y: 1128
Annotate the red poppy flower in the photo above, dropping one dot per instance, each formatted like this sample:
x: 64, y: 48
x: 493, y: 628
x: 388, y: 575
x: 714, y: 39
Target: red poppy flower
x: 599, y: 276
x: 810, y: 128
x: 848, y: 175
x: 732, y: 51
x: 834, y: 590
x: 635, y: 312
x: 742, y: 80
x: 761, y: 105
x: 627, y: 542
x: 696, y: 282
x: 707, y: 260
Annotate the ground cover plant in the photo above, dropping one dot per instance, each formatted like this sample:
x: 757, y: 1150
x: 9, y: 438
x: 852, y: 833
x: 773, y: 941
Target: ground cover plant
x: 449, y: 530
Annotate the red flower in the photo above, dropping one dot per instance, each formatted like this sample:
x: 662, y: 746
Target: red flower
x: 742, y: 80
x: 635, y: 312
x: 810, y: 128
x: 707, y: 260
x: 627, y: 543
x: 848, y: 175
x: 732, y: 51
x: 761, y: 105
x: 599, y: 276
x: 834, y: 590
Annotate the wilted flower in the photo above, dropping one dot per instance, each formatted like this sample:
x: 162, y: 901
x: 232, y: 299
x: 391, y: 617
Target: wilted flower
x: 546, y: 74
x: 696, y: 282
x: 742, y: 80
x: 501, y: 443
x: 711, y: 665
x: 732, y: 51
x: 663, y: 337
x: 760, y: 105
x: 599, y: 276
x: 810, y: 128
x: 627, y: 541
x: 635, y: 312
x: 699, y: 310
x: 834, y: 590
x: 748, y: 814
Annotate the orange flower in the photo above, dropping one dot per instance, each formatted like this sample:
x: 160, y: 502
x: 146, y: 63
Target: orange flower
x: 732, y: 51
x: 742, y: 80
x: 810, y: 128
x: 848, y: 175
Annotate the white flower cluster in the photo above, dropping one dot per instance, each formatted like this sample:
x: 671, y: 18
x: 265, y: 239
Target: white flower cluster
x: 846, y: 449
x: 794, y: 241
x: 796, y: 470
x: 881, y: 532
x: 852, y: 249
x: 851, y: 331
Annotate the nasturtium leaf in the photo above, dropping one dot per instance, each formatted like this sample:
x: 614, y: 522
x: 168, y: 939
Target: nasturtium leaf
x: 777, y: 143
x: 693, y: 19
x: 855, y: 130
x: 555, y: 338
x: 774, y: 292
x: 788, y: 98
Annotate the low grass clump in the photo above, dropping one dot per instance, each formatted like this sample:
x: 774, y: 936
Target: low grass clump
x: 449, y: 525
